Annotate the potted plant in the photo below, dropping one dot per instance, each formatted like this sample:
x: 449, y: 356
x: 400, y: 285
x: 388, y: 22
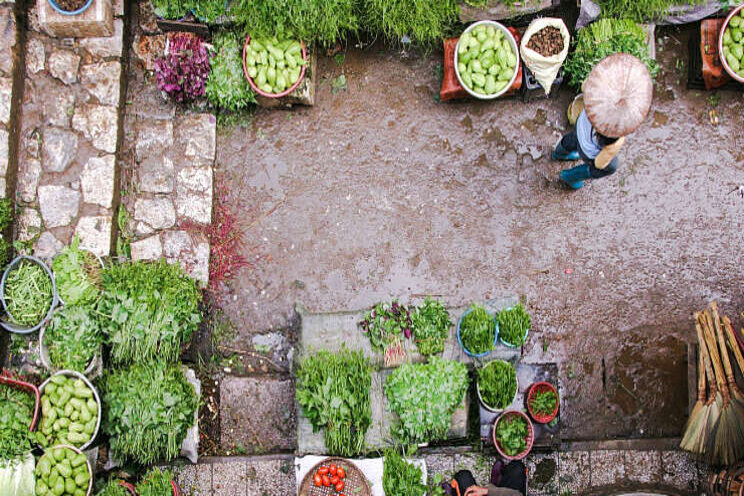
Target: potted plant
x: 513, y: 435
x: 514, y: 325
x: 28, y: 294
x: 274, y: 68
x: 77, y: 275
x: 497, y: 385
x: 477, y: 331
x: 53, y: 467
x: 157, y: 482
x: 543, y: 402
x: 71, y: 340
x: 70, y: 7
x: 182, y: 73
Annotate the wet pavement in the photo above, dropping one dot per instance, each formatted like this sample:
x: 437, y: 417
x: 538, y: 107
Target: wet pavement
x: 380, y: 191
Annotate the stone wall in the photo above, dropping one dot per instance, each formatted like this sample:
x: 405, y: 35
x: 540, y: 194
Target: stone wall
x: 9, y: 36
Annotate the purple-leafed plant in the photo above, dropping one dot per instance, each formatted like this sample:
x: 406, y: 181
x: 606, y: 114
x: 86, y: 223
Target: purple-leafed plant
x: 183, y: 72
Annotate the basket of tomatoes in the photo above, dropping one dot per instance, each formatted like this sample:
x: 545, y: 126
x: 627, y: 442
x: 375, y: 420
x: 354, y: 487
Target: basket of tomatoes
x: 335, y: 477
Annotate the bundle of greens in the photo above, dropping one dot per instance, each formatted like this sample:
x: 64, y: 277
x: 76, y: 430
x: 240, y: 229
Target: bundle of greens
x: 227, y: 87
x: 204, y: 10
x: 544, y: 402
x: 431, y: 327
x: 424, y: 22
x: 511, y: 434
x: 69, y: 413
x: 171, y: 9
x: 424, y: 397
x: 641, y: 10
x: 606, y: 37
x: 148, y: 410
x: 153, y: 309
x: 112, y: 488
x: 386, y: 325
x: 155, y: 483
x: 513, y: 325
x: 6, y: 217
x: 73, y: 337
x: 16, y: 415
x: 497, y: 384
x: 477, y: 330
x: 28, y: 293
x: 77, y: 274
x: 209, y: 10
x: 62, y: 472
x: 401, y: 478
x: 333, y: 391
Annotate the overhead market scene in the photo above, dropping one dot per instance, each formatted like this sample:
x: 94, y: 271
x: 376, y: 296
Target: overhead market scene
x: 371, y: 247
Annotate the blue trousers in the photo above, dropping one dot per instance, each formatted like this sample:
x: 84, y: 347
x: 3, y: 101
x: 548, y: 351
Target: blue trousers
x: 570, y: 142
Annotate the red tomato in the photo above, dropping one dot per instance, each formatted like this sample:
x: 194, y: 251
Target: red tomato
x: 323, y: 470
x: 334, y: 480
x: 326, y: 481
x: 318, y: 480
x: 341, y: 472
x: 340, y: 486
x: 332, y: 469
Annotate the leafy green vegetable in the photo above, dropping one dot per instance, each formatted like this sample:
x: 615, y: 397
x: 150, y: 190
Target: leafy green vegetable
x: 209, y: 10
x: 423, y: 21
x: 171, y: 9
x: 424, y: 396
x: 511, y: 434
x: 6, y: 251
x: 386, y: 325
x: 69, y: 412
x: 641, y: 10
x: 513, y: 325
x: 544, y: 402
x: 431, y: 327
x: 227, y: 87
x: 333, y: 391
x: 112, y: 488
x: 153, y: 309
x: 62, y: 472
x: 401, y: 478
x: 602, y: 38
x: 497, y: 383
x: 16, y: 415
x: 28, y: 293
x: 6, y: 213
x: 477, y: 330
x: 73, y: 337
x: 155, y: 483
x: 77, y: 274
x: 148, y: 410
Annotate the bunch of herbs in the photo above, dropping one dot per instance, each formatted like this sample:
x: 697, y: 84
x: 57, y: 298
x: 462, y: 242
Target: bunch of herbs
x: 77, y: 274
x: 156, y: 482
x: 16, y: 415
x: 544, y: 402
x: 513, y: 325
x: 227, y: 87
x: 497, y: 383
x: 424, y: 22
x: 641, y: 10
x: 333, y: 391
x: 424, y: 397
x: 151, y: 309
x: 182, y: 73
x: 386, y: 325
x: 477, y: 330
x: 401, y: 477
x: 148, y: 410
x: 511, y: 434
x: 431, y: 327
x: 113, y: 488
x: 28, y: 293
x: 171, y: 9
x: 73, y: 337
x: 209, y: 10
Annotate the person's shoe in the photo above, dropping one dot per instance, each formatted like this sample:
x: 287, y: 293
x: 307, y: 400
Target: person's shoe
x: 560, y: 153
x: 575, y: 177
x: 496, y: 472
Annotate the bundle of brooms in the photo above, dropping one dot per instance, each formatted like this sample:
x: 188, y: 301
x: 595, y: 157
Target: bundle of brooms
x: 715, y: 429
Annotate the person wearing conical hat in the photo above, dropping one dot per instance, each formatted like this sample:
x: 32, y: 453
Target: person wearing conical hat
x: 617, y: 99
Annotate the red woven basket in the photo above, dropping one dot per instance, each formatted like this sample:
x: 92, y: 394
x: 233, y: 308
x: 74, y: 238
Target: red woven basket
x: 273, y: 95
x: 530, y: 435
x: 5, y: 378
x: 540, y: 387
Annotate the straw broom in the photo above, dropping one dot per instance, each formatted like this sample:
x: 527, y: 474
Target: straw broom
x: 696, y: 423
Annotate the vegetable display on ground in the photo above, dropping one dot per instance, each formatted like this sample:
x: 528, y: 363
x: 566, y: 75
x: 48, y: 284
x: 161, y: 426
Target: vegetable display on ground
x: 73, y: 337
x: 151, y: 309
x: 16, y: 415
x: 155, y: 483
x: 333, y: 391
x: 274, y: 65
x: 62, y: 472
x: 733, y: 44
x: 513, y: 325
x: 486, y: 60
x: 544, y: 402
x: 547, y: 42
x: 182, y: 73
x: 330, y: 476
x: 386, y: 325
x: 171, y: 9
x: 477, y: 330
x: 227, y: 88
x: 641, y: 10
x: 497, y: 383
x: 511, y: 434
x: 423, y: 22
x: 28, y: 293
x: 69, y: 412
x: 606, y: 37
x: 113, y: 488
x: 401, y: 477
x: 437, y: 388
x: 77, y: 275
x: 431, y: 327
x: 148, y: 410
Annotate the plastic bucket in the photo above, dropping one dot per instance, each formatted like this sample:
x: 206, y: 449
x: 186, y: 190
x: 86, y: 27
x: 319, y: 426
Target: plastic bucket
x: 59, y: 9
x: 495, y: 335
x: 47, y: 363
x: 515, y: 48
x: 273, y: 95
x: 78, y: 375
x: 526, y: 333
x: 486, y: 405
x: 29, y: 388
x: 541, y: 387
x: 79, y: 452
x: 9, y: 326
x: 530, y: 435
x: 724, y: 62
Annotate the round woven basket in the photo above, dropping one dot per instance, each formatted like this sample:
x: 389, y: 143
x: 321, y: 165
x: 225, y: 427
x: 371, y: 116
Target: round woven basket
x: 355, y: 482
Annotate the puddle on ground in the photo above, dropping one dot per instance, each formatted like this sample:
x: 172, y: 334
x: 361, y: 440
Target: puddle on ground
x: 660, y: 119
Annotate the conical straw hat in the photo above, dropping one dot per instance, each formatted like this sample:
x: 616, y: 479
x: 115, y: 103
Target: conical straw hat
x: 618, y: 94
